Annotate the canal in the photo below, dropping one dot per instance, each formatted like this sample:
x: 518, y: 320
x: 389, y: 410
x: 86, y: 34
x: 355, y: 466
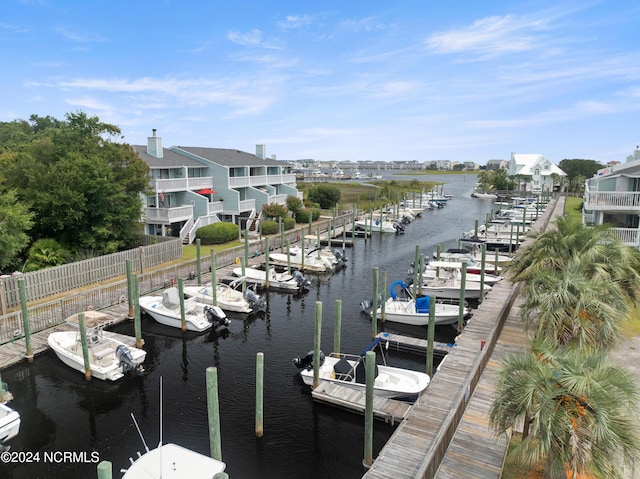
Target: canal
x: 61, y: 412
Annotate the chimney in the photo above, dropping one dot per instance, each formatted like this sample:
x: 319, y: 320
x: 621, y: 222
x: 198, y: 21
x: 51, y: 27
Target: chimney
x: 261, y: 151
x: 154, y: 145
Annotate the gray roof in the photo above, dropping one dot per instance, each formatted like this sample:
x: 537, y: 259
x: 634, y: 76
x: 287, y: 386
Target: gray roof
x: 227, y: 157
x: 169, y: 159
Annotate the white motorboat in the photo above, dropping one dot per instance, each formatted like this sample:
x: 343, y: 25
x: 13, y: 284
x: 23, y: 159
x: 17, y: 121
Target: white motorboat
x: 378, y: 226
x: 451, y: 288
x: 454, y: 268
x: 412, y: 311
x: 277, y: 281
x: 467, y: 255
x: 227, y: 297
x: 199, y: 317
x: 9, y: 423
x: 349, y: 370
x: 309, y: 261
x: 170, y: 460
x: 109, y: 358
x: 335, y: 256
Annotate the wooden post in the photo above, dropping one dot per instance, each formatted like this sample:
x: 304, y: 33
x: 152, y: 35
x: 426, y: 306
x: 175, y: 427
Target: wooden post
x: 288, y: 258
x: 25, y: 319
x: 310, y: 221
x: 370, y: 364
x: 259, y: 394
x: 374, y: 307
x: 302, y: 253
x: 141, y: 251
x: 420, y: 274
x: 183, y: 317
x: 495, y: 265
x: 431, y: 331
x: 316, y: 345
x: 214, y: 280
x: 319, y: 247
x: 213, y: 410
x: 129, y: 289
x: 463, y: 285
x: 281, y: 226
x: 344, y: 237
x: 243, y: 266
x: 371, y: 223
x: 483, y: 264
x: 383, y: 304
x: 329, y: 233
x: 511, y: 239
x: 266, y: 262
x: 416, y: 266
x: 337, y: 326
x: 476, y: 229
x: 137, y: 326
x: 105, y: 470
x: 198, y: 267
x: 246, y: 246
x: 85, y: 346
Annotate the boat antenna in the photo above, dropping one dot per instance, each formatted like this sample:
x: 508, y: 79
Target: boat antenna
x: 139, y: 432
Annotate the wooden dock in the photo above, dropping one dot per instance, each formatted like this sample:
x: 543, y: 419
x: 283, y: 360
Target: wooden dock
x: 390, y: 410
x: 15, y: 352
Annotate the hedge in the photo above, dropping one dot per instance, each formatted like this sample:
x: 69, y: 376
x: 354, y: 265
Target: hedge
x: 303, y: 215
x: 217, y: 233
x: 270, y: 227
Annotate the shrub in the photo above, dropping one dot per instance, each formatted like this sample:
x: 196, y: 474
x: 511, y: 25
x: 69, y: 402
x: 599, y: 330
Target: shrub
x: 327, y: 196
x: 303, y: 215
x: 289, y: 223
x: 270, y: 227
x: 274, y: 210
x: 217, y: 233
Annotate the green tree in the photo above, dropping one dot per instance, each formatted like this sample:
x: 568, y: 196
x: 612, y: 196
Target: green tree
x: 326, y: 196
x: 82, y: 184
x: 274, y: 210
x: 15, y: 222
x: 579, y: 168
x: 579, y: 411
x: 294, y: 204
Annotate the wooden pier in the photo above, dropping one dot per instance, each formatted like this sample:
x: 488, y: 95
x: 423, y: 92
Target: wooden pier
x: 389, y: 410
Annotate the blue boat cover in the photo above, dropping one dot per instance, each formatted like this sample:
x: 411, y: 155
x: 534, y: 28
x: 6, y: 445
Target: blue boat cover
x: 400, y: 283
x: 422, y: 304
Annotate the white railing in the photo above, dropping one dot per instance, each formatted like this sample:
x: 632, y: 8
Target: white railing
x: 247, y: 205
x: 599, y: 200
x: 239, y: 182
x: 278, y: 199
x: 199, y: 223
x: 168, y: 215
x: 216, y: 207
x: 179, y: 184
x: 184, y: 231
x: 628, y: 236
x: 258, y: 180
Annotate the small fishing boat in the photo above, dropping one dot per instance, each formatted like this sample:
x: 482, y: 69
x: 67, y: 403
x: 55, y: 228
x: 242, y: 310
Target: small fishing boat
x: 349, y: 370
x: 311, y: 260
x: 109, y: 358
x: 199, y: 317
x: 384, y: 226
x: 454, y: 268
x: 293, y: 282
x: 227, y: 297
x: 9, y: 423
x: 414, y: 311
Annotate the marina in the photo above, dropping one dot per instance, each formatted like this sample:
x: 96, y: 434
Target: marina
x: 294, y: 420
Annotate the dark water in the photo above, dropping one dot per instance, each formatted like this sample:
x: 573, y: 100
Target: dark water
x: 302, y: 439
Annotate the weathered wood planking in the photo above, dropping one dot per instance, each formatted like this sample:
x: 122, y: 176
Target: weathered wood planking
x: 420, y: 443
x: 389, y: 410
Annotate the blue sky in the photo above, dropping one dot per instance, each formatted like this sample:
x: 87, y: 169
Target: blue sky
x: 348, y: 80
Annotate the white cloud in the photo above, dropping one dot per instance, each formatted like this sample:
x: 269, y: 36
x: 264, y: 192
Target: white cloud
x: 251, y: 38
x: 295, y: 21
x: 80, y: 38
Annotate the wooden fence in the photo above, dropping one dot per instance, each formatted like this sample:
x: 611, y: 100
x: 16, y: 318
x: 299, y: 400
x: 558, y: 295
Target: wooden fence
x: 52, y: 313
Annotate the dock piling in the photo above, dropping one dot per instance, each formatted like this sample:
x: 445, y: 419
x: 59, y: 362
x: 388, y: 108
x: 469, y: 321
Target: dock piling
x: 259, y: 394
x: 213, y: 410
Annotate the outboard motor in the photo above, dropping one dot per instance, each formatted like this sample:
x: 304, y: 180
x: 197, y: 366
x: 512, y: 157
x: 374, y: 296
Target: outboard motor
x: 256, y: 302
x: 123, y: 354
x: 367, y: 305
x: 339, y: 256
x: 216, y: 316
x: 307, y: 361
x: 301, y: 280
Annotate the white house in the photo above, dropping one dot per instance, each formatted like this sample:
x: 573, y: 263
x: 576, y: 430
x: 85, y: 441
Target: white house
x: 612, y: 197
x: 535, y: 170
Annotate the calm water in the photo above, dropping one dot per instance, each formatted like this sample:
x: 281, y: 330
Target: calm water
x: 302, y: 439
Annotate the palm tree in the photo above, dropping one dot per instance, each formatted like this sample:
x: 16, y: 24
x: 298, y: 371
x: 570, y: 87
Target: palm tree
x: 574, y: 307
x: 580, y: 411
x: 604, y: 255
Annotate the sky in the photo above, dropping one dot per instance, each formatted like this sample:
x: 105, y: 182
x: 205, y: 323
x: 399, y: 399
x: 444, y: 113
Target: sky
x: 333, y: 80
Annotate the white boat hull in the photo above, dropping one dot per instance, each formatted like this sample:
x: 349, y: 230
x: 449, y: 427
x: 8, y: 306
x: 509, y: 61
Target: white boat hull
x: 173, y: 461
x: 277, y: 281
x: 9, y: 423
x: 389, y: 383
x: 400, y: 311
x: 311, y: 262
x: 449, y: 289
x: 385, y: 227
x: 194, y: 315
x: 103, y: 362
x: 227, y: 298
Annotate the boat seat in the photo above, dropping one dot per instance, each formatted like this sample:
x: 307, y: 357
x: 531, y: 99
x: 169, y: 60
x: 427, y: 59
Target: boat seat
x: 343, y: 370
x: 381, y: 380
x: 101, y: 351
x: 361, y: 372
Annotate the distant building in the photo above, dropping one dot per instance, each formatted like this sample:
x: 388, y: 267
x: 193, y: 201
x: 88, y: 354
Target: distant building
x: 497, y: 165
x: 534, y: 172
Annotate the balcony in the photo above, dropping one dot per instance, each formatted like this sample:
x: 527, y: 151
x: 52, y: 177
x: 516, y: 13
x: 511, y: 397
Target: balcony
x: 278, y: 199
x: 247, y: 205
x: 628, y: 236
x: 612, y: 200
x: 167, y: 216
x: 245, y: 181
x: 178, y: 184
